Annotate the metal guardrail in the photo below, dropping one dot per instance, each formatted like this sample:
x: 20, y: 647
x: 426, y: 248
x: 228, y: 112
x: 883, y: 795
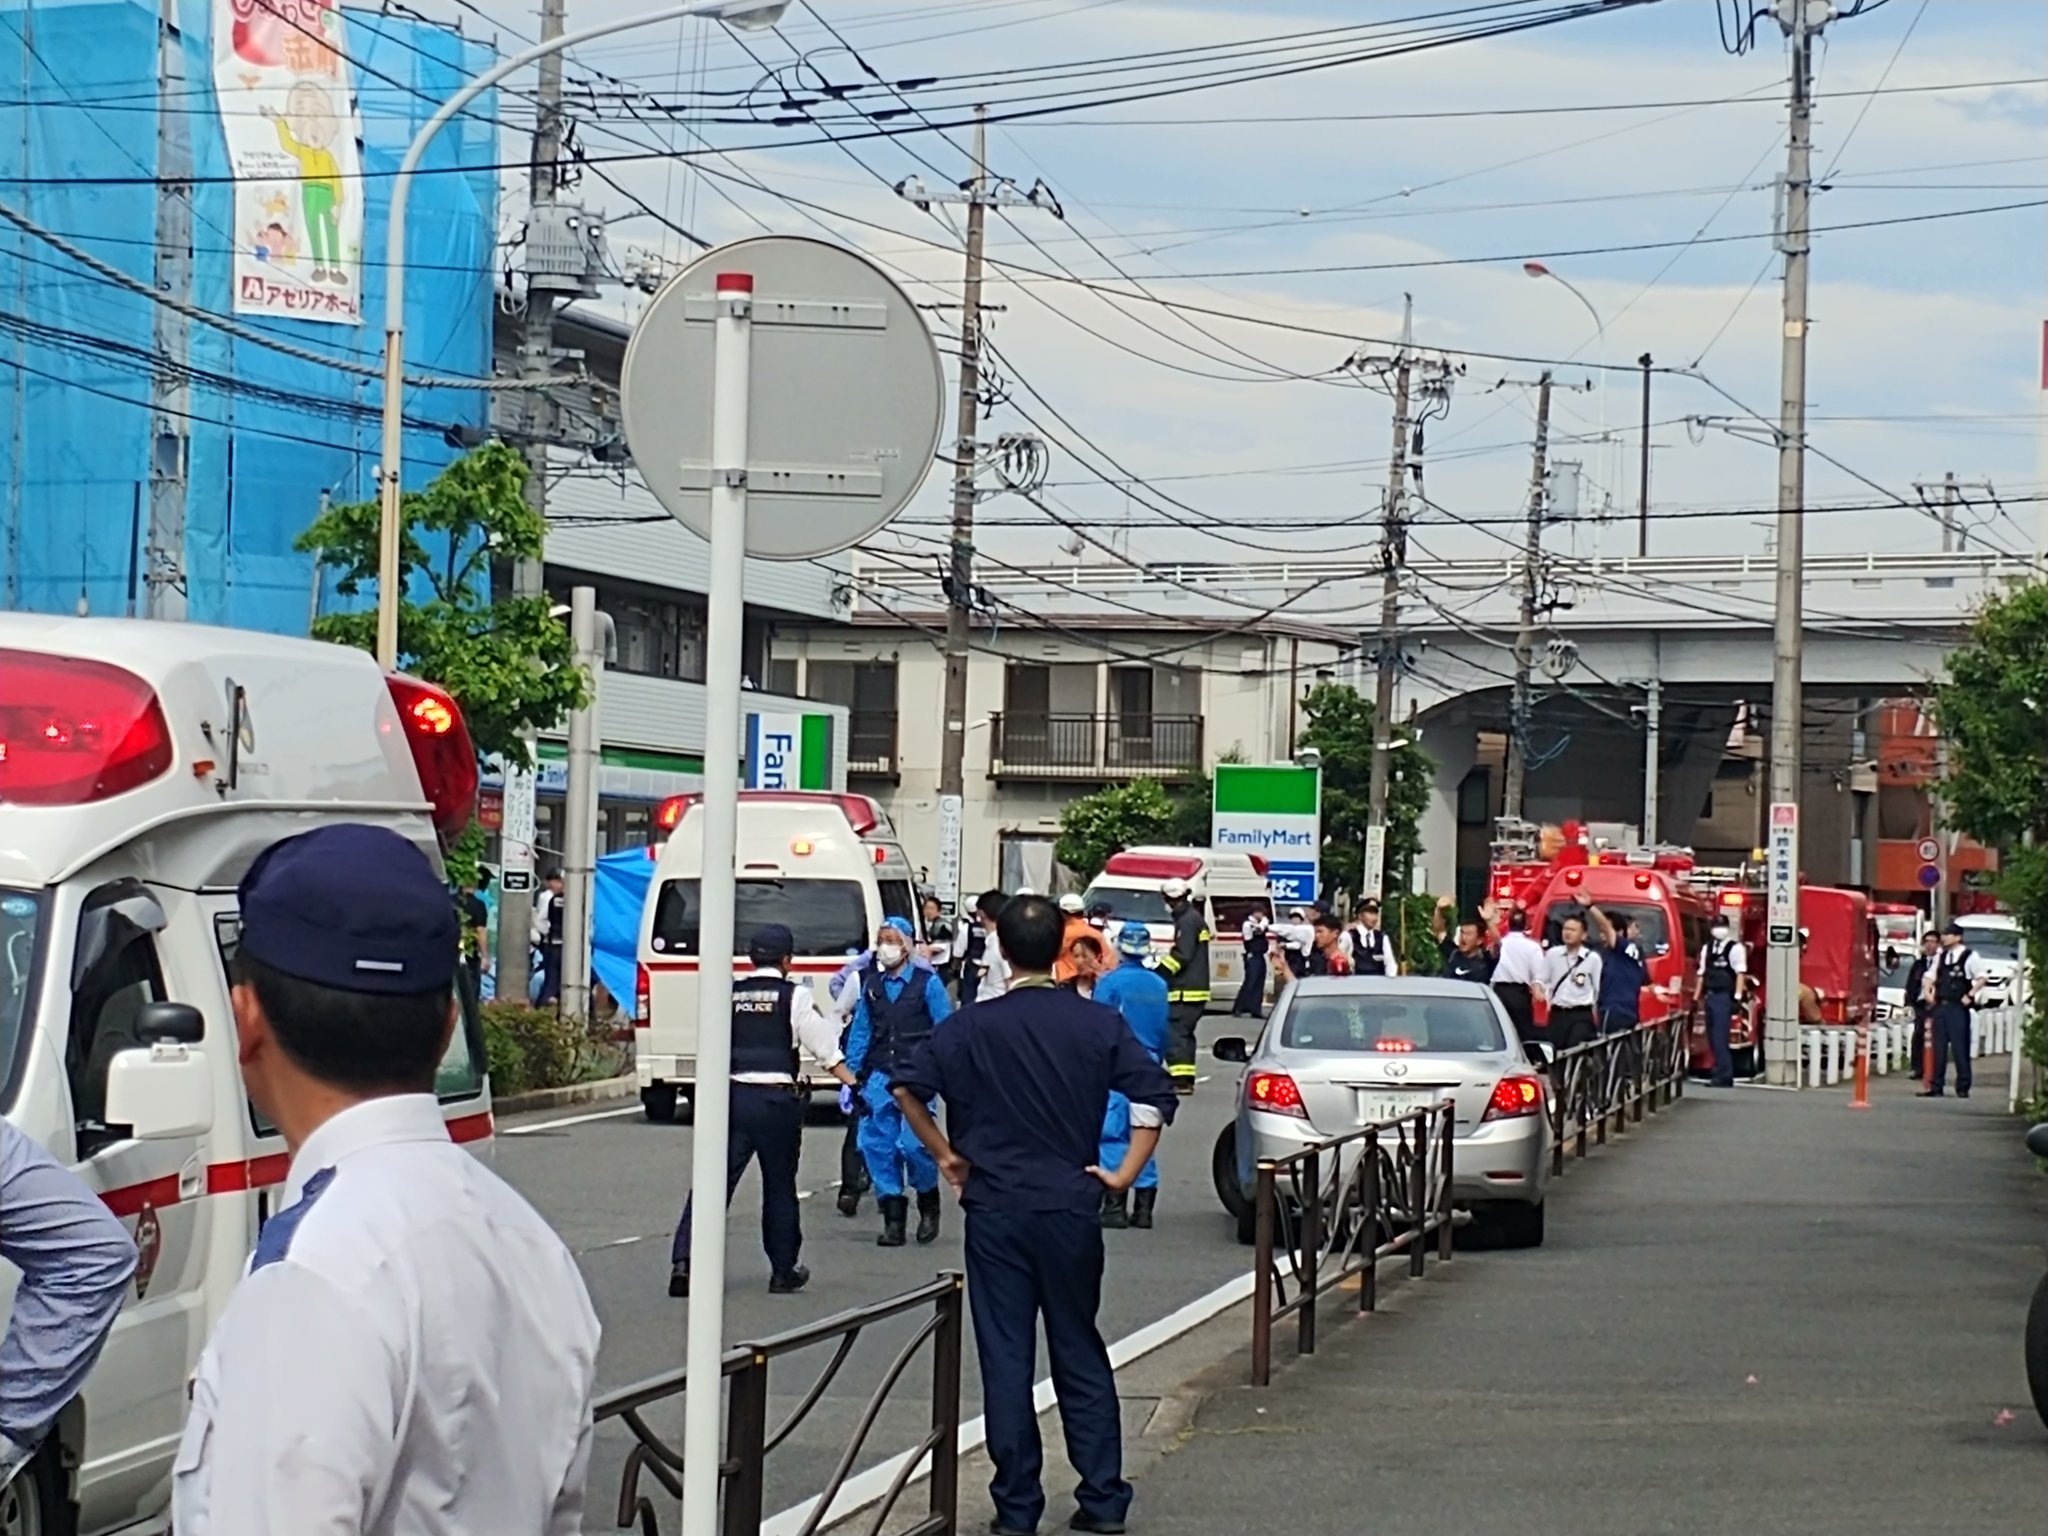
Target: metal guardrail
x: 1612, y: 1081
x: 1388, y: 1192
x: 1038, y: 745
x: 749, y: 1441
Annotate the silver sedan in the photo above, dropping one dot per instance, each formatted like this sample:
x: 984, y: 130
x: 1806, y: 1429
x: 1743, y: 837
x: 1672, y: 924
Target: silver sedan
x: 1342, y: 1052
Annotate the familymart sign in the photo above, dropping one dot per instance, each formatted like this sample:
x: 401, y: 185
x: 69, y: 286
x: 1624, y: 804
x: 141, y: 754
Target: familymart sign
x: 1276, y: 813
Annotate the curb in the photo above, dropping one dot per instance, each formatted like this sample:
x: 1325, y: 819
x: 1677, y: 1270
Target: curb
x: 604, y: 1091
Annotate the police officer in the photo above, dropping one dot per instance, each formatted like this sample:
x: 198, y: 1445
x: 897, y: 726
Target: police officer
x: 551, y: 928
x: 899, y: 1006
x: 1251, y: 993
x: 1724, y: 974
x: 75, y: 1260
x: 1026, y: 1080
x: 1916, y: 999
x: 412, y: 1348
x: 1137, y: 992
x: 1465, y: 957
x: 982, y: 973
x: 772, y: 1017
x: 1186, y: 968
x: 1951, y: 990
x: 1371, y: 951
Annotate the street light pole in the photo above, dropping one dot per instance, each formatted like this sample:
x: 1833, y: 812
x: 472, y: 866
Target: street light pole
x: 745, y: 14
x: 1537, y: 269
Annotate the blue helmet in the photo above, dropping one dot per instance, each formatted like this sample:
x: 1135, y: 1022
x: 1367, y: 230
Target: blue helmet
x: 1134, y: 939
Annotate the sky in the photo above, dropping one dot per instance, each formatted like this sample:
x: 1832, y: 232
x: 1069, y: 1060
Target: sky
x: 1320, y: 200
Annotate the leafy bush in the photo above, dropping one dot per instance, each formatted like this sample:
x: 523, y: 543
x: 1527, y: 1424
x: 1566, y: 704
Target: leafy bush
x: 530, y: 1048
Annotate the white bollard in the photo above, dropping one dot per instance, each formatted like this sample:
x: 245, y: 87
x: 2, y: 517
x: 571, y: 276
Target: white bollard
x: 1809, y: 1046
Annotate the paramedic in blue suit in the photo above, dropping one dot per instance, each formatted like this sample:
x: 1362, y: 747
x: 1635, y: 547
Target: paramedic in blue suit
x: 1137, y: 992
x: 900, y: 1004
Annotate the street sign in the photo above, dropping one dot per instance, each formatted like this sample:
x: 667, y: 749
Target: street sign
x: 947, y: 883
x: 1930, y: 850
x: 1930, y: 876
x: 845, y: 396
x: 515, y: 841
x: 1781, y: 873
x: 1277, y: 814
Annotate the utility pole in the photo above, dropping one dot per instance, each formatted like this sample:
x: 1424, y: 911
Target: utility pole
x: 980, y: 193
x: 1643, y: 480
x: 1393, y: 555
x: 579, y: 819
x: 170, y: 396
x: 1519, y: 707
x: 1653, y: 752
x: 517, y: 854
x: 1802, y: 22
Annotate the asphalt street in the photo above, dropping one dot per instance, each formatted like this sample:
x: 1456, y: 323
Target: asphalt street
x: 1775, y: 1315
x: 611, y: 1184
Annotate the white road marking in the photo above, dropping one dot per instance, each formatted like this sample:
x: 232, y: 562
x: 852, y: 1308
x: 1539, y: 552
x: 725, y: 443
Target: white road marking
x: 555, y: 1125
x: 865, y: 1488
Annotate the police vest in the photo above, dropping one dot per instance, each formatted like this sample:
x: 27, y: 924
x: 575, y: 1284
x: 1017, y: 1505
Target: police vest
x: 896, y: 1028
x: 763, y: 1039
x: 1721, y: 967
x: 1952, y: 976
x: 977, y: 944
x: 1369, y: 948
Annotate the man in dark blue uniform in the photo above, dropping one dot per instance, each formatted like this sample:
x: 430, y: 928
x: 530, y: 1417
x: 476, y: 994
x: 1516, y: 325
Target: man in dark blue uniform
x: 1026, y: 1078
x: 1952, y: 991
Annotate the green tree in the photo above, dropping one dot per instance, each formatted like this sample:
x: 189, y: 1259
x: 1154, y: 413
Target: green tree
x: 507, y: 661
x: 1993, y: 713
x: 1122, y: 816
x: 1340, y: 727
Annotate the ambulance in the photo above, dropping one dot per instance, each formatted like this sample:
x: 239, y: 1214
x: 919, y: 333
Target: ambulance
x: 1227, y: 886
x: 143, y: 766
x: 828, y: 867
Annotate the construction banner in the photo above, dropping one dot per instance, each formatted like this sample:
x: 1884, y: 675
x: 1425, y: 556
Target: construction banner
x: 288, y: 111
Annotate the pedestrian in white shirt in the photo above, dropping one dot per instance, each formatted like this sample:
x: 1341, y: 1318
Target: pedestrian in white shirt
x: 1517, y: 973
x: 1368, y: 945
x: 1571, y: 983
x: 412, y: 1352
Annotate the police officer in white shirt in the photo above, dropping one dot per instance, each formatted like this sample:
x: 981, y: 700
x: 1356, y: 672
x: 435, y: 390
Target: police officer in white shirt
x: 1518, y: 972
x: 1370, y: 949
x: 772, y: 1018
x: 412, y: 1352
x: 1571, y: 983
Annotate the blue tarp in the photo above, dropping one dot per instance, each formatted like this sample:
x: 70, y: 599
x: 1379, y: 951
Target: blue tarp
x: 268, y: 432
x: 623, y: 880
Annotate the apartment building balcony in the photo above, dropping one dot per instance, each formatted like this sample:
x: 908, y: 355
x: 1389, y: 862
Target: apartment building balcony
x: 1094, y: 747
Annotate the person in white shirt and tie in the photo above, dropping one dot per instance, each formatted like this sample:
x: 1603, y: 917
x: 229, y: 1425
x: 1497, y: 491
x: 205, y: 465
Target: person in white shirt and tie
x: 1571, y: 984
x: 412, y: 1352
x: 1368, y: 945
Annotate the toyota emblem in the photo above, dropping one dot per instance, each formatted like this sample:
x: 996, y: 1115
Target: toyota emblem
x: 1397, y: 1069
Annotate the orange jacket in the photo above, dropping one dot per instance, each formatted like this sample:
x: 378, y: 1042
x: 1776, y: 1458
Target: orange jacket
x: 1084, y: 954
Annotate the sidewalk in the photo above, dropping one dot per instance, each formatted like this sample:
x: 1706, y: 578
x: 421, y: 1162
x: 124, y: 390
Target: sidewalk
x: 1774, y: 1314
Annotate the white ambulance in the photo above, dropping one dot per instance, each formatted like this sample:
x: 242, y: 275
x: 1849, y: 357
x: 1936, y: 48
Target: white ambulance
x: 142, y: 767
x: 827, y: 866
x: 1226, y: 885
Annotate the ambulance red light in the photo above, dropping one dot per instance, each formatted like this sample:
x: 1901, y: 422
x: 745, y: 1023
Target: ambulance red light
x: 669, y: 814
x: 1731, y: 898
x: 73, y: 732
x: 441, y: 751
x: 1642, y: 882
x: 1574, y: 876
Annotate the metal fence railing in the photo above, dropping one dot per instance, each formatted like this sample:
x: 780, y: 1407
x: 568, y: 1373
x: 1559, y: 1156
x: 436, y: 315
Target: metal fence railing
x: 1335, y: 1209
x: 1611, y: 1082
x: 749, y: 1441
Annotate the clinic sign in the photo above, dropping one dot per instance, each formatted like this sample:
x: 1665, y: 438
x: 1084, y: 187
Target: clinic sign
x: 1276, y: 813
x: 1781, y: 873
x: 789, y: 751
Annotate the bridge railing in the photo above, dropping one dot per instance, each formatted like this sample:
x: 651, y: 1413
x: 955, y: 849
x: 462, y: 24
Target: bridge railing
x: 749, y: 1440
x: 1332, y: 1211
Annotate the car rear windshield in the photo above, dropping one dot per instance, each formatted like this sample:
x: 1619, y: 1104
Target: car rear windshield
x: 1447, y: 1026
x: 1131, y: 903
x: 828, y: 917
x: 21, y: 915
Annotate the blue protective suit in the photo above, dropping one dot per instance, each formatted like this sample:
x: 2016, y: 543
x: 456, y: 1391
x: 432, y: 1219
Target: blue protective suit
x: 887, y: 1144
x: 1137, y: 992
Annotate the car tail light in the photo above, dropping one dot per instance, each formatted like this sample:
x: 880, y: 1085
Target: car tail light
x: 441, y: 751
x: 73, y: 732
x: 1514, y: 1097
x: 642, y: 987
x: 1276, y: 1093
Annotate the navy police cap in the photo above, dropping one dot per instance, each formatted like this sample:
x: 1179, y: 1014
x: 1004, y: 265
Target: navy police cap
x: 351, y: 907
x: 772, y: 939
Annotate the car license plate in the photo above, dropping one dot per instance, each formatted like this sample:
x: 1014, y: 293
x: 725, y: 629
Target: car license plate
x: 1377, y: 1105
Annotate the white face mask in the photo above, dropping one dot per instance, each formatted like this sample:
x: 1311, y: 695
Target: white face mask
x: 1719, y: 931
x: 891, y: 955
